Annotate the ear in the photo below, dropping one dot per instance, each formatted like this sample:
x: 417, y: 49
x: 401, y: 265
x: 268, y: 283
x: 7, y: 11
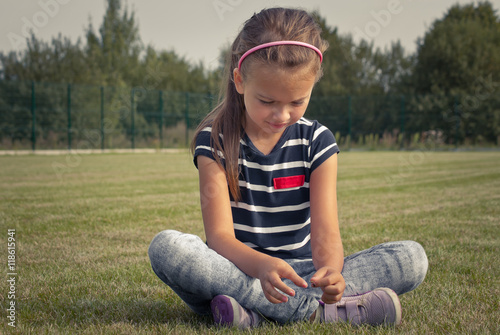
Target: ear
x: 238, y: 81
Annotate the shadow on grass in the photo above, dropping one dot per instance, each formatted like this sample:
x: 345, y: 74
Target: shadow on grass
x: 137, y: 312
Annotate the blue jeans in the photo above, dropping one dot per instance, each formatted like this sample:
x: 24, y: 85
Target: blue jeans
x: 197, y: 274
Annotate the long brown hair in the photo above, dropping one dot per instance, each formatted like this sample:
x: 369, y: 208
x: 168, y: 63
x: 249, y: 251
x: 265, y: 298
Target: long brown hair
x: 274, y: 24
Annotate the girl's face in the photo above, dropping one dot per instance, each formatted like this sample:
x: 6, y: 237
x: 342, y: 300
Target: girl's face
x: 274, y: 98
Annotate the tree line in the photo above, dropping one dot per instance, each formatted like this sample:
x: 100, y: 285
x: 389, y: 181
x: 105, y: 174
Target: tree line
x: 453, y: 76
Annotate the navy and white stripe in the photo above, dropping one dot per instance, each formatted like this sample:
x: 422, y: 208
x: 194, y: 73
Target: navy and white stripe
x: 270, y: 220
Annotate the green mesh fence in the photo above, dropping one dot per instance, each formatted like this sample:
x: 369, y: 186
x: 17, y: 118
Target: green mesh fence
x: 63, y: 116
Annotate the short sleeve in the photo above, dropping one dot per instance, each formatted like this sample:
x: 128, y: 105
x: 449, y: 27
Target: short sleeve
x: 203, y: 147
x: 323, y: 146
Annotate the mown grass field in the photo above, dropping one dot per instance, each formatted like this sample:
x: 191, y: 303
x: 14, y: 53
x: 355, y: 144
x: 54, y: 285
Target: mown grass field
x: 83, y: 224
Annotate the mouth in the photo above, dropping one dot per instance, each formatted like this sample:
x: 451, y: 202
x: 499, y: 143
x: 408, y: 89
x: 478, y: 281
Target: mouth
x: 278, y: 125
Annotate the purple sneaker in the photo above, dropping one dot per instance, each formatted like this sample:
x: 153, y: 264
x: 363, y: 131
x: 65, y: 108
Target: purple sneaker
x: 377, y: 307
x: 228, y: 312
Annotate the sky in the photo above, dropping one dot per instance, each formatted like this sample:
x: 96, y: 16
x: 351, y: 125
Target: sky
x: 197, y: 30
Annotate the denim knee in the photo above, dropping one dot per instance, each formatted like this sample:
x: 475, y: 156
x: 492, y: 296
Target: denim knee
x: 417, y: 269
x: 160, y: 248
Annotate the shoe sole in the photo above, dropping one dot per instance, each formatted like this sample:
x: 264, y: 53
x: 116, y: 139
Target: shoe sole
x: 396, y: 303
x: 224, y: 311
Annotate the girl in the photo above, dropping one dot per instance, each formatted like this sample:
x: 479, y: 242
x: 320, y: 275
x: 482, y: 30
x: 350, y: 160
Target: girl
x: 268, y: 197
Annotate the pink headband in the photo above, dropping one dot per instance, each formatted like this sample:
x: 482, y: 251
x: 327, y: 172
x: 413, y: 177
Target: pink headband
x: 271, y: 44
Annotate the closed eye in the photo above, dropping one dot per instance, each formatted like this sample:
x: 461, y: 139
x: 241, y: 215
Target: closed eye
x: 265, y: 102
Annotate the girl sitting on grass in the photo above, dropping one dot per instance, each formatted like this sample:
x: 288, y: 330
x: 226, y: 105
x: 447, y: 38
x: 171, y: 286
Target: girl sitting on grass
x: 268, y: 198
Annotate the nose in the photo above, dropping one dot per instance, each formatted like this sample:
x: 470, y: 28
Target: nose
x: 281, y: 114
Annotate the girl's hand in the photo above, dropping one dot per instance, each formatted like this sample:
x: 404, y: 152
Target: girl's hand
x: 331, y: 282
x: 270, y: 274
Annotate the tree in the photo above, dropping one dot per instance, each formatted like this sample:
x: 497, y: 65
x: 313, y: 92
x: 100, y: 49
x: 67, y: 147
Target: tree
x: 113, y: 54
x: 347, y: 67
x: 459, y: 59
x: 394, y: 69
x: 459, y: 49
x: 359, y: 69
x: 356, y: 83
x: 59, y: 61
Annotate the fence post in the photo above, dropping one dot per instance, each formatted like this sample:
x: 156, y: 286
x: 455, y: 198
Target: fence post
x: 160, y: 97
x: 69, y: 116
x: 403, y: 110
x: 186, y: 115
x: 33, y: 117
x: 403, y: 106
x: 457, y: 118
x: 102, y: 118
x: 132, y: 116
x: 210, y: 102
x: 349, y: 113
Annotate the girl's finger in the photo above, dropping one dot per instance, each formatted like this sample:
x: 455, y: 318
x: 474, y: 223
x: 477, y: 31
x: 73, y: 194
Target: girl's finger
x: 271, y: 298
x: 299, y: 281
x: 323, y: 282
x: 332, y: 290
x: 273, y: 295
x: 331, y: 299
x: 280, y: 285
x: 295, y: 278
x: 317, y: 280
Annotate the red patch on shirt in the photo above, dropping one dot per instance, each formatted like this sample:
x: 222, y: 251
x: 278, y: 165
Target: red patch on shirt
x: 289, y: 182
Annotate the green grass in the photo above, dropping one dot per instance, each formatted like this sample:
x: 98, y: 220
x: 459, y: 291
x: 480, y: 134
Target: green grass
x: 84, y: 222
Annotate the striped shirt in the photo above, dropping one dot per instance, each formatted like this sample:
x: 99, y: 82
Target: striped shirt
x: 273, y: 215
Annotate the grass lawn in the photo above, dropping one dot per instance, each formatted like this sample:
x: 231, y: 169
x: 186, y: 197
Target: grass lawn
x: 83, y: 224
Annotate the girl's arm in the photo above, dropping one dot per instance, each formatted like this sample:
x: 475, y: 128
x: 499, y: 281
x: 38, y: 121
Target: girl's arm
x: 326, y: 244
x: 219, y: 231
